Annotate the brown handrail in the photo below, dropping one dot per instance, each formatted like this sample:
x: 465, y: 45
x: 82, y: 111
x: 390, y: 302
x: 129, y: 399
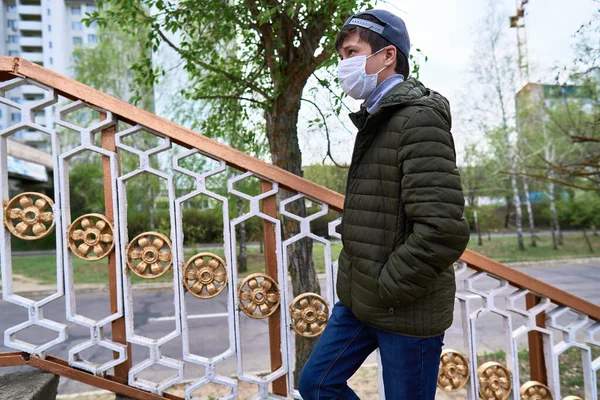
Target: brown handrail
x: 482, y: 263
x: 75, y: 90
x: 78, y: 91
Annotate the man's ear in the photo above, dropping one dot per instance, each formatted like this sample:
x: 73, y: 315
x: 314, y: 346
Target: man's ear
x: 390, y: 55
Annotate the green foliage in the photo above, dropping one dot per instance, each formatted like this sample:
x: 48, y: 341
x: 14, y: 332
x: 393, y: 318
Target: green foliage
x: 106, y: 65
x: 581, y: 210
x: 83, y: 177
x: 243, y: 59
x: 330, y: 176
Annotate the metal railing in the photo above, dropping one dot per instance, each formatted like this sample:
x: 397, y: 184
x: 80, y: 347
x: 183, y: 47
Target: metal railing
x: 535, y: 322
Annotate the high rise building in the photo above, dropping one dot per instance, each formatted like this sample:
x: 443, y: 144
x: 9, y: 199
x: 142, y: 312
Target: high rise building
x: 44, y: 32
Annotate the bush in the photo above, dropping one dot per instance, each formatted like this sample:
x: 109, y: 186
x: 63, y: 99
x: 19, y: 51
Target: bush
x: 320, y: 226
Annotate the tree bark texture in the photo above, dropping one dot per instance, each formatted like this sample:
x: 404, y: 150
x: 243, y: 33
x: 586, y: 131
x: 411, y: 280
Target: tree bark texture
x: 242, y: 257
x: 517, y: 203
x: 553, y: 214
x: 281, y: 127
x: 587, y: 240
x: 479, y: 240
x: 507, y: 214
x: 529, y: 212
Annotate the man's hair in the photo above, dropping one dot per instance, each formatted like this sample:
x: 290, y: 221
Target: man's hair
x: 375, y: 40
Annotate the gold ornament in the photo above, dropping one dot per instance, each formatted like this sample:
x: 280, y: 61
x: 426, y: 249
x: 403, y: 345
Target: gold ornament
x: 34, y: 214
x: 262, y: 295
x: 309, y: 314
x: 454, y: 371
x: 153, y: 250
x: 533, y: 390
x: 91, y: 237
x: 495, y: 382
x: 205, y: 276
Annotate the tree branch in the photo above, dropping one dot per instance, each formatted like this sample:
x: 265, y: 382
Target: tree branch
x: 261, y: 103
x: 326, y: 133
x: 582, y: 139
x: 557, y: 181
x: 266, y: 36
x: 209, y: 67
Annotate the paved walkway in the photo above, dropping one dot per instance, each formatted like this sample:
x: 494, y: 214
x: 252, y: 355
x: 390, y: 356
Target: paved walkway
x: 154, y: 308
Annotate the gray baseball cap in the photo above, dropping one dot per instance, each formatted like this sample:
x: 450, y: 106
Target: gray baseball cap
x: 391, y: 28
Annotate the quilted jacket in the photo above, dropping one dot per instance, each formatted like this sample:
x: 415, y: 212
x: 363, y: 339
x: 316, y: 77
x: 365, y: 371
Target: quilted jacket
x: 403, y: 225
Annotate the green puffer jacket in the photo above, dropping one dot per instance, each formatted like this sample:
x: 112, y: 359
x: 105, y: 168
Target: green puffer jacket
x: 403, y: 225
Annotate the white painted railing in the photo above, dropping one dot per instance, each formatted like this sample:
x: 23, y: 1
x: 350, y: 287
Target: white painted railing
x: 500, y: 314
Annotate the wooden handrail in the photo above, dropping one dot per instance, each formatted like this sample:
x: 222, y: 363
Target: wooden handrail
x: 516, y: 278
x: 15, y: 66
x: 78, y: 91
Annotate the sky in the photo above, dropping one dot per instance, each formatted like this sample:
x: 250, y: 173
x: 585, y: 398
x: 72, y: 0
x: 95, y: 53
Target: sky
x: 444, y: 30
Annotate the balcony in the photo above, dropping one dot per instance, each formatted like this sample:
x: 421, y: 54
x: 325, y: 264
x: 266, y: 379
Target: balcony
x: 33, y: 57
x: 29, y: 10
x: 31, y: 41
x: 30, y: 26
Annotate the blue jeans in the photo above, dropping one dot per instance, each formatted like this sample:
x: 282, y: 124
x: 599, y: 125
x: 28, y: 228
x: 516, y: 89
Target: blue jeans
x: 410, y: 364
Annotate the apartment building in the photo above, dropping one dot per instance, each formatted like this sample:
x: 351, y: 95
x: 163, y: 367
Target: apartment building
x: 44, y: 32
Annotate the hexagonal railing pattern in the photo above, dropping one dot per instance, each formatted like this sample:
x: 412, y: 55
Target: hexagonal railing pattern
x: 471, y: 366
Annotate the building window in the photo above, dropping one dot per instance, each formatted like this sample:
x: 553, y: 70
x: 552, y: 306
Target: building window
x: 50, y: 44
x: 16, y: 100
x: 76, y: 25
x: 51, y: 61
x: 12, y: 23
x: 92, y: 39
x: 77, y: 41
x: 49, y: 28
x: 13, y: 53
x: 48, y: 11
x: 11, y: 8
x: 0, y: 113
x: 91, y: 8
x: 75, y: 10
x: 94, y: 24
x: 15, y: 117
x: 13, y: 39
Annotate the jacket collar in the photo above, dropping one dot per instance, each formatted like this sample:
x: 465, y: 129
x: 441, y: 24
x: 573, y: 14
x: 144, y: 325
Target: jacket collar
x: 404, y: 93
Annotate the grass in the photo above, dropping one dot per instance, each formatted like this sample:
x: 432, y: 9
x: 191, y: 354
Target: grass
x: 43, y: 267
x: 569, y: 363
x: 505, y: 249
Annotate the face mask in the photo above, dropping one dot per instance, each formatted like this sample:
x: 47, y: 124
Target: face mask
x: 353, y: 77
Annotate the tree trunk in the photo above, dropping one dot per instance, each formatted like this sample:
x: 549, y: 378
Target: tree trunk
x: 553, y: 215
x: 242, y: 258
x: 587, y: 239
x: 281, y: 127
x: 479, y: 240
x: 507, y: 215
x: 553, y: 232
x: 529, y: 212
x: 517, y: 202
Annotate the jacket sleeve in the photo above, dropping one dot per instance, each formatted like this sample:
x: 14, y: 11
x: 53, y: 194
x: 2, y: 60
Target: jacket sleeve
x: 434, y: 204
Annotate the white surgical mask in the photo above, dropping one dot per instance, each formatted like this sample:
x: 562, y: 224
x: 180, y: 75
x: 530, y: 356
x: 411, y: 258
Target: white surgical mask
x: 353, y: 77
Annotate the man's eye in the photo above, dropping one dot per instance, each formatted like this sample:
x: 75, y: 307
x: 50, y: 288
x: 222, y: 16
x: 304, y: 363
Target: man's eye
x: 350, y: 52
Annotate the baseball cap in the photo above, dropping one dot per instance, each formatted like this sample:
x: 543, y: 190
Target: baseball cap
x: 391, y: 27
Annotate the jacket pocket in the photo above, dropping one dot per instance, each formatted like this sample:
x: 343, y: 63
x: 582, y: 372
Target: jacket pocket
x: 344, y: 279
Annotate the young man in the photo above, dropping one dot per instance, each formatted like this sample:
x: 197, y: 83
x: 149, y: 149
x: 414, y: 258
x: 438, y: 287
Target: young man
x: 403, y: 225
